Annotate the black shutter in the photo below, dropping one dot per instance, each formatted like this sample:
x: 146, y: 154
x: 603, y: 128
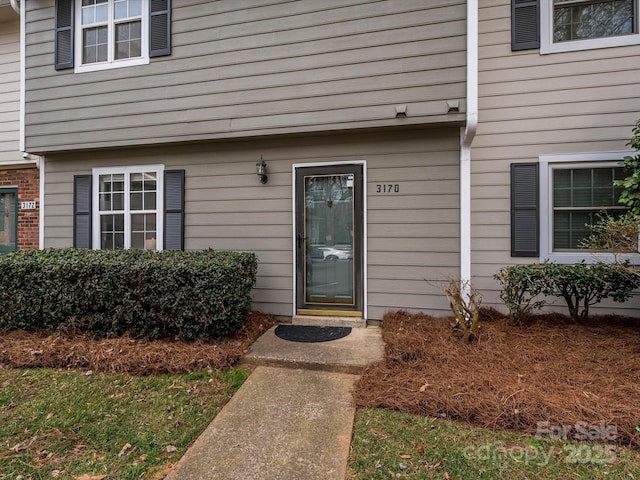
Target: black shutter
x: 525, y: 234
x: 64, y: 34
x: 82, y: 211
x: 160, y: 28
x: 174, y: 210
x: 525, y: 24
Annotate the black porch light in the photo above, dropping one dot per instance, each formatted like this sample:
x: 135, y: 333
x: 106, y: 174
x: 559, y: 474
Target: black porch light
x: 261, y: 170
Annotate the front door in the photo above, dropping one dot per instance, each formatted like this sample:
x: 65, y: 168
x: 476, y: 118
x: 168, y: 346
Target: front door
x: 8, y: 220
x: 329, y: 240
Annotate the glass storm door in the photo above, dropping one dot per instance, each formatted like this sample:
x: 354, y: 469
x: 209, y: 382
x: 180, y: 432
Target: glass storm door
x: 329, y: 230
x: 8, y: 220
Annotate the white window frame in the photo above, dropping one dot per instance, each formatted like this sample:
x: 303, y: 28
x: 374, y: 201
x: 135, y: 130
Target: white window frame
x: 546, y: 35
x: 547, y: 164
x: 79, y: 67
x: 127, y: 171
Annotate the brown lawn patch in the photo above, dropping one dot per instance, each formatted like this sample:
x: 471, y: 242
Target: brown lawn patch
x: 511, y: 377
x: 19, y: 349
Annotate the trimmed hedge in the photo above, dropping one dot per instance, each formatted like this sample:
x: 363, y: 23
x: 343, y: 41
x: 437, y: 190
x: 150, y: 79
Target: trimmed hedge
x: 109, y: 293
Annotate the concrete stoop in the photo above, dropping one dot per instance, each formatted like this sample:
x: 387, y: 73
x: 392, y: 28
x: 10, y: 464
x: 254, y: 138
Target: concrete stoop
x: 347, y: 355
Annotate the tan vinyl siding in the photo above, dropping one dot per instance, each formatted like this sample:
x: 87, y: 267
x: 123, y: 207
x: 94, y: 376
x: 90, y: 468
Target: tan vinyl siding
x: 412, y: 235
x: 9, y: 90
x: 532, y: 105
x: 242, y: 69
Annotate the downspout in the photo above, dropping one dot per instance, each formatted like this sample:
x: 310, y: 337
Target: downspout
x: 15, y: 4
x: 467, y: 135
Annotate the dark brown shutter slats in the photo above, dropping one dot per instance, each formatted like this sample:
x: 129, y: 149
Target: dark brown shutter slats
x: 525, y: 24
x: 525, y: 236
x: 82, y: 211
x: 64, y: 34
x: 174, y: 210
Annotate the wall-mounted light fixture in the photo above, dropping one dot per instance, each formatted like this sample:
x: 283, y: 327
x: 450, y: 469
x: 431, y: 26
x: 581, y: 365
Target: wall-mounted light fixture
x: 261, y: 170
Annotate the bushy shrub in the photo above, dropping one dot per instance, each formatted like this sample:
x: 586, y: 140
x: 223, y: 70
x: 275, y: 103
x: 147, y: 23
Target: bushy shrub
x: 521, y: 286
x: 630, y: 195
x: 580, y: 285
x: 184, y: 295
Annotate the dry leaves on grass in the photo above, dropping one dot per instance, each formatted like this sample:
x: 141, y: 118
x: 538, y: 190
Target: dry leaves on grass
x: 19, y: 349
x: 511, y: 377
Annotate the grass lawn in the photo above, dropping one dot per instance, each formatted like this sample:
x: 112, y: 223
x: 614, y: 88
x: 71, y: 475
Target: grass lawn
x: 396, y: 445
x: 74, y: 425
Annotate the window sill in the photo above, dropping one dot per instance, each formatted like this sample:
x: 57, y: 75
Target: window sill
x: 94, y: 67
x: 591, y: 44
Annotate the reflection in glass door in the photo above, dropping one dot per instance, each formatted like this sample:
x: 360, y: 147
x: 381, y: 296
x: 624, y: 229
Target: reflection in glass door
x: 8, y: 220
x: 328, y: 237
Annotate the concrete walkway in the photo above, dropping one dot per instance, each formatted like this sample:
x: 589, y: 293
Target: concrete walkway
x: 293, y: 417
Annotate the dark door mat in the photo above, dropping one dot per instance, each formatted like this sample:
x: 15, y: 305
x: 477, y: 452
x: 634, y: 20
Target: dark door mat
x: 306, y: 334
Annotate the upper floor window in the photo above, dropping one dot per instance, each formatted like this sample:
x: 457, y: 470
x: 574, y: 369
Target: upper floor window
x: 113, y: 33
x: 101, y: 34
x: 568, y: 25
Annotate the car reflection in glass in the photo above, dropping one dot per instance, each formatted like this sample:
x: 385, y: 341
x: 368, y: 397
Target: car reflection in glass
x: 337, y: 252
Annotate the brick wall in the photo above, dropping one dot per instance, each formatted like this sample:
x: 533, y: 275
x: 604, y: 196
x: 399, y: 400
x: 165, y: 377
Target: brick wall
x: 27, y: 180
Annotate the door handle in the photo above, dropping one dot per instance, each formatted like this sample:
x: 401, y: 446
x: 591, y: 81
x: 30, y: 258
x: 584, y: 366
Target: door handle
x: 299, y: 239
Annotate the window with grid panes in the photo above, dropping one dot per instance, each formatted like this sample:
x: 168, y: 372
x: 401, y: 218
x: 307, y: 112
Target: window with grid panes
x: 579, y: 195
x: 129, y: 208
x: 112, y: 31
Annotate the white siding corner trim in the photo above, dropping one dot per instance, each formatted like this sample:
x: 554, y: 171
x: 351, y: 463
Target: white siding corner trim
x: 22, y: 74
x: 42, y: 166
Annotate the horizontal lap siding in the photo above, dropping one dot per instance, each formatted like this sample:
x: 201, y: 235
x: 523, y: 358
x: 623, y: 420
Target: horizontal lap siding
x: 531, y: 105
x: 10, y: 92
x: 255, y: 68
x: 413, y: 235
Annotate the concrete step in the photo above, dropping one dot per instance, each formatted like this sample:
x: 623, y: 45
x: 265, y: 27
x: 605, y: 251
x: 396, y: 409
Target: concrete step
x: 329, y: 321
x: 349, y: 354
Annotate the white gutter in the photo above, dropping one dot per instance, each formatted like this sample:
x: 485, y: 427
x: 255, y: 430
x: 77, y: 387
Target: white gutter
x: 467, y: 135
x: 15, y: 4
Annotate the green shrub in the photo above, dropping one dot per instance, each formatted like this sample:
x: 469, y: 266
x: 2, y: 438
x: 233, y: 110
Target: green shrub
x: 580, y: 285
x: 520, y: 288
x: 184, y: 295
x: 630, y: 196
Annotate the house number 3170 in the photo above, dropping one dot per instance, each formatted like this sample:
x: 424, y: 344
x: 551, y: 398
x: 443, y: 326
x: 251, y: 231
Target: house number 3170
x: 387, y: 188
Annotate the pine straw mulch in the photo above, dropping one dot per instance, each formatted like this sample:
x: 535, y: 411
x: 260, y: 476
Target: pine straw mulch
x: 19, y: 349
x: 511, y: 377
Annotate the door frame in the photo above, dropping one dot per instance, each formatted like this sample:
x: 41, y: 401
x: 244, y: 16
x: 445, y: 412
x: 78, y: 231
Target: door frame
x: 13, y: 190
x: 365, y: 235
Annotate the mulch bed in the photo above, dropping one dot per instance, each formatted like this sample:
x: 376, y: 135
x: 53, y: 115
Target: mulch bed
x: 19, y: 349
x: 511, y: 377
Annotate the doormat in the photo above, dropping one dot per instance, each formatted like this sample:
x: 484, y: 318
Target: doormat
x: 306, y: 334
